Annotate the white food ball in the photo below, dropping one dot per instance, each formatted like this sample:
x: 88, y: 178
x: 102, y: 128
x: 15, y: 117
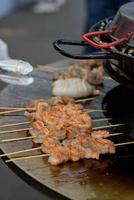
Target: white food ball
x: 73, y: 87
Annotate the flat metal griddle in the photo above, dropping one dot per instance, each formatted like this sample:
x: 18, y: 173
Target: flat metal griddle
x: 112, y: 177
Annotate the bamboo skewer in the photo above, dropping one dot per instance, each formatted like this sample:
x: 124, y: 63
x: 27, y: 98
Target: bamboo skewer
x: 39, y: 148
x: 83, y: 100
x: 94, y: 110
x: 17, y: 139
x: 107, y: 126
x: 94, y: 129
x: 124, y: 143
x: 16, y: 110
x: 102, y: 119
x: 17, y: 130
x: 19, y: 109
x: 12, y: 111
x: 27, y: 157
x: 46, y: 155
x: 32, y: 137
x: 27, y: 129
x: 24, y: 109
x: 23, y: 123
x: 12, y: 108
x: 18, y: 152
x: 48, y: 69
x: 115, y: 134
x: 15, y: 124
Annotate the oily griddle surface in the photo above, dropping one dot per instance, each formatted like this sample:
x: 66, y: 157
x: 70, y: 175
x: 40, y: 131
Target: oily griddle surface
x: 112, y: 177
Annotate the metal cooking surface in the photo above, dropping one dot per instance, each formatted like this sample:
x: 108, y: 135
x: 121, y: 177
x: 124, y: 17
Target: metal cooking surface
x: 112, y: 177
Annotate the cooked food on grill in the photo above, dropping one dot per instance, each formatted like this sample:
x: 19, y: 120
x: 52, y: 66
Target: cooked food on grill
x: 88, y: 70
x: 73, y: 87
x: 80, y: 147
x: 60, y: 117
x: 78, y: 79
x: 64, y: 131
x: 76, y: 148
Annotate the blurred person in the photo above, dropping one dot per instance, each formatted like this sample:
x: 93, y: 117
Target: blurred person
x: 8, y: 6
x: 48, y: 6
x: 97, y: 10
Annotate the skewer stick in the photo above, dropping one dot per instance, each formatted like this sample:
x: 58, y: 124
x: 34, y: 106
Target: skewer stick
x: 102, y: 119
x: 26, y: 129
x: 32, y: 137
x: 83, y: 100
x: 23, y: 123
x: 15, y: 124
x: 43, y: 68
x: 39, y: 148
x: 49, y: 69
x: 108, y: 126
x: 17, y: 139
x: 115, y: 134
x: 27, y: 157
x: 94, y: 110
x: 15, y: 110
x: 12, y: 111
x: 18, y: 152
x: 124, y: 143
x: 46, y: 155
x: 17, y: 130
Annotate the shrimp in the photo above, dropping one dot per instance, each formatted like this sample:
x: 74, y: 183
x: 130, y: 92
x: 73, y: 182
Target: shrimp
x: 100, y: 134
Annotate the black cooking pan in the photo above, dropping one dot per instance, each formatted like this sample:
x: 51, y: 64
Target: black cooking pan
x: 109, y: 54
x: 118, y: 51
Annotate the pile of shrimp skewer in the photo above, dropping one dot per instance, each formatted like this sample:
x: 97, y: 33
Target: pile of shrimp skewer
x: 64, y: 131
x: 60, y: 117
x: 80, y: 147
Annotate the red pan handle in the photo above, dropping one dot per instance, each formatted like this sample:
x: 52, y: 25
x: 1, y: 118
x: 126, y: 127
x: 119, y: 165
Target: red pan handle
x: 87, y: 37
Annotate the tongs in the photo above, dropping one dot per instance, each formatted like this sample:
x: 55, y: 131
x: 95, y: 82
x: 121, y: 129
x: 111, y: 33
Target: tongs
x: 13, y: 71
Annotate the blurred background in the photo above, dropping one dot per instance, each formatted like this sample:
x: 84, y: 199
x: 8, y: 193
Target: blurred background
x: 29, y: 34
